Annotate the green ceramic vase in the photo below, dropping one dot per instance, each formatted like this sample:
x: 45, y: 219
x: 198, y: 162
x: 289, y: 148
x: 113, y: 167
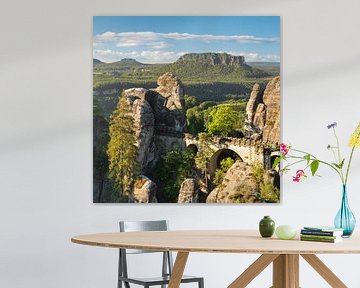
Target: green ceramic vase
x: 266, y: 227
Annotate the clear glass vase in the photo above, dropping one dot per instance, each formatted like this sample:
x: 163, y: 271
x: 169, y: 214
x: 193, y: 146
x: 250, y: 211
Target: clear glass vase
x: 345, y: 219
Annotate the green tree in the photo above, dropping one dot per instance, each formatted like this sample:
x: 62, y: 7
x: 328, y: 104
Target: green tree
x: 172, y: 169
x: 203, y: 155
x: 267, y: 191
x: 195, y: 120
x: 225, y: 165
x: 190, y: 101
x: 100, y: 159
x: 122, y: 150
x: 224, y: 119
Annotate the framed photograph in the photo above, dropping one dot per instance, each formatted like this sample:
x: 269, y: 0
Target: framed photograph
x: 186, y: 109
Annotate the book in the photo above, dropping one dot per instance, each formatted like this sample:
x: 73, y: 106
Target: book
x: 321, y: 233
x: 325, y: 240
x: 320, y: 236
x: 323, y: 228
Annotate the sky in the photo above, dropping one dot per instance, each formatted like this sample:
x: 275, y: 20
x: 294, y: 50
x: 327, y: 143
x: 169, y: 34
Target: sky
x: 163, y: 39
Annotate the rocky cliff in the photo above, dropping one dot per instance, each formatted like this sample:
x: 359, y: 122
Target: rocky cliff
x: 238, y: 186
x: 244, y: 183
x: 263, y: 112
x: 189, y: 191
x: 271, y: 131
x: 144, y: 190
x: 159, y: 116
x: 213, y: 59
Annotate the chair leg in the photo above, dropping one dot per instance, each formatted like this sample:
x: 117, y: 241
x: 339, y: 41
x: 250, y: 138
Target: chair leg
x: 201, y: 283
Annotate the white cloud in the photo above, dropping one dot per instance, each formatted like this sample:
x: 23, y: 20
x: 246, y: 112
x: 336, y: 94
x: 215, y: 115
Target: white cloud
x: 106, y: 36
x: 160, y: 45
x: 146, y: 56
x: 209, y: 37
x: 147, y: 38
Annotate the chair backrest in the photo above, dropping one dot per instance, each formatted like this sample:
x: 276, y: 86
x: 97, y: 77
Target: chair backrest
x: 137, y: 226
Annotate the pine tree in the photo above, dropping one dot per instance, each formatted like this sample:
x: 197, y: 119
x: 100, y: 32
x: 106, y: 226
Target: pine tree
x: 203, y: 155
x: 122, y: 150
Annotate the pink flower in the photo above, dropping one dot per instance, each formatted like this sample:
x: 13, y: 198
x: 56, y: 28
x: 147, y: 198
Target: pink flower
x: 284, y: 149
x: 299, y: 174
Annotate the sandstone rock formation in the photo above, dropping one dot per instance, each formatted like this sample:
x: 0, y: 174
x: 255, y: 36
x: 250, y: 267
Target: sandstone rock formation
x: 272, y: 177
x: 271, y: 131
x: 189, y: 191
x: 263, y: 112
x: 251, y: 108
x: 144, y: 123
x: 213, y: 59
x: 238, y: 186
x: 159, y: 116
x: 169, y: 105
x: 172, y: 89
x: 259, y: 120
x: 144, y: 190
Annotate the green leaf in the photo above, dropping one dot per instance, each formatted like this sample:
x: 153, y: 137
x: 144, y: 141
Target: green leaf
x: 342, y: 163
x: 339, y: 166
x: 314, y: 166
x: 307, y: 158
x: 336, y: 165
x: 276, y: 162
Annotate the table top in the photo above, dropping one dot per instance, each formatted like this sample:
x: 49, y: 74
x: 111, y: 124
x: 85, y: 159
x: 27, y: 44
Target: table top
x: 217, y: 241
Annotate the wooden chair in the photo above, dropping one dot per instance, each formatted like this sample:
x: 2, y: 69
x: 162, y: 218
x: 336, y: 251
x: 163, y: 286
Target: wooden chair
x: 167, y: 262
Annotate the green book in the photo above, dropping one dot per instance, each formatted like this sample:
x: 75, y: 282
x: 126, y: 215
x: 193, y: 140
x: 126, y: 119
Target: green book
x: 319, y: 236
x: 325, y: 240
x: 323, y: 228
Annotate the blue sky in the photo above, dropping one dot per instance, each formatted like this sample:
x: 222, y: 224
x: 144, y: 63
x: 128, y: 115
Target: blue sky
x: 160, y: 39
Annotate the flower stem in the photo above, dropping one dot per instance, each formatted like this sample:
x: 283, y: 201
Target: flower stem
x: 333, y: 152
x: 339, y: 155
x: 303, y: 152
x: 348, y: 167
x: 337, y: 145
x: 320, y: 161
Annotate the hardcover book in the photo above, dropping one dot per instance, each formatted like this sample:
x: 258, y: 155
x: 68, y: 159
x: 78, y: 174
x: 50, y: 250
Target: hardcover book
x: 326, y: 240
x: 321, y: 233
x: 323, y: 228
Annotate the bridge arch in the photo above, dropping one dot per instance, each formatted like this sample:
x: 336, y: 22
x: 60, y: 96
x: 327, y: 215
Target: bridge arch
x: 193, y: 148
x: 273, y: 156
x: 218, y: 156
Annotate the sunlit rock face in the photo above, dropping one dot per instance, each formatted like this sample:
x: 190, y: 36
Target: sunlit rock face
x: 159, y: 116
x: 263, y: 112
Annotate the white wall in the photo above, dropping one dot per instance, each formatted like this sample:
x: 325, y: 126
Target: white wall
x: 46, y: 138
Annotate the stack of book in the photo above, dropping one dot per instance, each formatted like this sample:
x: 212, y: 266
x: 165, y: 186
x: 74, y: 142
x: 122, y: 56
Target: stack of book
x: 321, y: 234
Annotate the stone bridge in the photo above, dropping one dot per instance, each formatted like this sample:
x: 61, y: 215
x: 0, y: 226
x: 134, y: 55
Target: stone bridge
x: 245, y: 149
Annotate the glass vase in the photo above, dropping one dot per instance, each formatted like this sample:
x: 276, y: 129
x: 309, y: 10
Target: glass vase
x: 345, y: 219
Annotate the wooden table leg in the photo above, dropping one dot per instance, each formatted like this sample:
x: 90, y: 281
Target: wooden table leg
x: 324, y: 271
x: 253, y: 270
x: 286, y: 271
x: 178, y: 269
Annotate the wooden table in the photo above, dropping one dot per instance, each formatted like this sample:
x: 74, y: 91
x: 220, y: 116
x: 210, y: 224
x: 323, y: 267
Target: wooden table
x: 284, y: 254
